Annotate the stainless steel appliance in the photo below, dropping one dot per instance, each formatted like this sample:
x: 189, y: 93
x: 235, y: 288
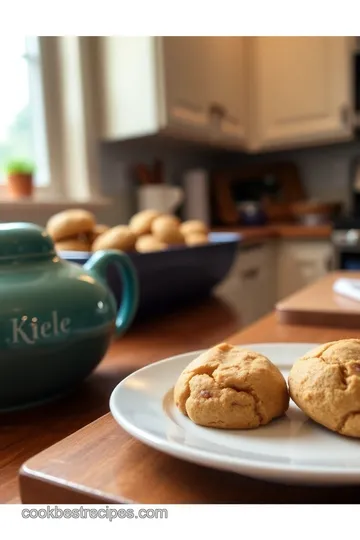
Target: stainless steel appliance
x: 346, y: 229
x: 346, y: 243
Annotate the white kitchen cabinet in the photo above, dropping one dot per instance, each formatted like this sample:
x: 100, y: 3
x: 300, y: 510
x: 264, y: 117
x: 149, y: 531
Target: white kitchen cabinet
x: 253, y: 93
x: 301, y: 262
x: 250, y: 286
x: 185, y: 66
x: 227, y: 90
x: 301, y: 90
x: 190, y: 87
x: 264, y: 274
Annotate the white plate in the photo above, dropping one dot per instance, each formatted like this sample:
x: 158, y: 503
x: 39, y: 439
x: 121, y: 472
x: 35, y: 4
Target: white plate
x: 292, y: 449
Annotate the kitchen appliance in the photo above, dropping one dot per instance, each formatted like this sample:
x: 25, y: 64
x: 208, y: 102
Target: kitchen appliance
x: 350, y: 112
x: 345, y: 239
x: 346, y: 228
x: 356, y: 88
x: 56, y: 318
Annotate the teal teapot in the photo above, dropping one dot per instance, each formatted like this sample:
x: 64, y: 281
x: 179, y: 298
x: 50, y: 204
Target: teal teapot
x: 56, y: 318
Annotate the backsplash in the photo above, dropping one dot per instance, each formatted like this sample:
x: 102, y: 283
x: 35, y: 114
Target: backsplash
x: 325, y: 171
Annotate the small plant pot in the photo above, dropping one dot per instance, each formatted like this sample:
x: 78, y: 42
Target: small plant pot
x: 20, y: 185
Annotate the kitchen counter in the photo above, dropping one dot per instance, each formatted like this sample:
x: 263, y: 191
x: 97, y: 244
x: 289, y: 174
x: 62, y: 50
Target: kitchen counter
x: 282, y: 231
x: 69, y: 471
x: 25, y: 433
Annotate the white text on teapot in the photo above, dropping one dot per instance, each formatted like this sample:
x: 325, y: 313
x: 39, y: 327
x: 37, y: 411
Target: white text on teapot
x: 29, y: 330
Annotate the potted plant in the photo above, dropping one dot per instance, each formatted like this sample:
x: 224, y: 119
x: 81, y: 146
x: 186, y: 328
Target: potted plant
x: 20, y: 175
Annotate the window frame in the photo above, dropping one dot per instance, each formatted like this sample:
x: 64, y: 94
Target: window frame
x: 62, y: 89
x: 36, y: 99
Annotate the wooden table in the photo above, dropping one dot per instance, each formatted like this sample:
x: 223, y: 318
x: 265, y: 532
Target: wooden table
x: 102, y: 463
x: 26, y: 433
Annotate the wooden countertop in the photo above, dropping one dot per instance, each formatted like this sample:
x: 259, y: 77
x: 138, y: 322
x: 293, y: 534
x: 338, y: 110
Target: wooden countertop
x: 102, y: 463
x: 319, y: 304
x: 283, y: 231
x: 23, y: 434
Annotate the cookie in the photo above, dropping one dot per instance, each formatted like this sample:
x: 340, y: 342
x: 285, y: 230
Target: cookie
x: 194, y: 226
x: 119, y: 237
x: 97, y: 231
x: 70, y: 223
x: 148, y: 243
x: 325, y: 384
x: 166, y: 229
x: 196, y: 239
x: 141, y: 222
x: 231, y: 388
x: 73, y: 244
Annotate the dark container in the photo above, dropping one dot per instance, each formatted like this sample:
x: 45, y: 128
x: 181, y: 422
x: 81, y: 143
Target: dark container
x: 175, y: 277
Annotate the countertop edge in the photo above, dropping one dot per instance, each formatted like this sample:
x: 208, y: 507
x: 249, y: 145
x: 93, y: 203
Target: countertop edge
x: 279, y: 231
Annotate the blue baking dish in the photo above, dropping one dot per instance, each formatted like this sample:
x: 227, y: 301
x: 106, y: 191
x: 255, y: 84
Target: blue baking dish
x: 174, y: 277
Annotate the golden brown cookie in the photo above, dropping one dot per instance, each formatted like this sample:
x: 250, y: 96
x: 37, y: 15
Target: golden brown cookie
x: 196, y: 239
x: 325, y: 384
x: 148, y: 243
x: 194, y: 226
x: 70, y: 223
x: 231, y: 388
x: 119, y: 237
x: 98, y: 230
x: 166, y: 229
x: 73, y: 244
x: 141, y: 222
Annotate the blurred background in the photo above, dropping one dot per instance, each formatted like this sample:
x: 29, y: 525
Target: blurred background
x: 90, y: 114
x: 239, y: 132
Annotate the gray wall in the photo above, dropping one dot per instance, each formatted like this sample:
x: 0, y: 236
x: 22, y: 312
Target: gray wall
x: 325, y: 171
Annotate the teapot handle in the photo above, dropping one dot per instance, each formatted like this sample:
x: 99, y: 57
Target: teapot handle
x: 98, y: 264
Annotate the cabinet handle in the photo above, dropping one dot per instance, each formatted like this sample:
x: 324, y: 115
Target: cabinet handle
x: 345, y: 115
x: 348, y: 117
x: 217, y: 109
x: 252, y: 273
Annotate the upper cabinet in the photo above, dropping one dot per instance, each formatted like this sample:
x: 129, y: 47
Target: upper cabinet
x: 302, y: 90
x: 248, y: 93
x: 190, y: 87
x: 184, y: 66
x: 227, y: 89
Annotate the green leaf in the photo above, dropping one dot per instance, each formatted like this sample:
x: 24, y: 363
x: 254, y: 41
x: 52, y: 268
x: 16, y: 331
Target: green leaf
x: 19, y: 167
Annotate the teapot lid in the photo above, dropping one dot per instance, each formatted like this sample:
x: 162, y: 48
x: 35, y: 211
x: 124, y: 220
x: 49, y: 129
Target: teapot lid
x: 24, y: 240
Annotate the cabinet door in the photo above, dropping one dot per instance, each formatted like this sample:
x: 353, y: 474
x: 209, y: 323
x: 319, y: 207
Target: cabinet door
x: 186, y: 67
x: 226, y: 89
x: 249, y: 287
x: 302, y: 89
x: 254, y: 268
x: 300, y: 263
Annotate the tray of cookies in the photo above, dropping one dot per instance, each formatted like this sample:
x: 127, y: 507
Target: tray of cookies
x: 177, y: 262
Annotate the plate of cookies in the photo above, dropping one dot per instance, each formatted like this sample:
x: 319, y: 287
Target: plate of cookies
x: 176, y: 261
x: 284, y: 412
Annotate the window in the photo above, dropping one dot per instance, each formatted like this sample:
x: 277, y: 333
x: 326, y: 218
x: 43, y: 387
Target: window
x: 22, y: 121
x: 47, y: 117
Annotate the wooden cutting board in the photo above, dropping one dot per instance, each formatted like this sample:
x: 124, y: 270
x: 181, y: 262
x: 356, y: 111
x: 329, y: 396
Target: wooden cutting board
x: 101, y: 463
x: 317, y: 304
